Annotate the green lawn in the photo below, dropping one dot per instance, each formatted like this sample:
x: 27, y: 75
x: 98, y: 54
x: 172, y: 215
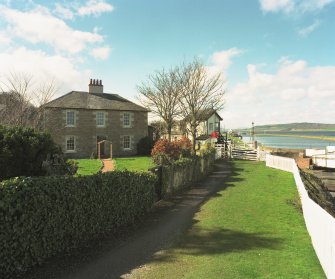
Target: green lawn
x: 88, y: 166
x: 134, y: 163
x: 250, y: 229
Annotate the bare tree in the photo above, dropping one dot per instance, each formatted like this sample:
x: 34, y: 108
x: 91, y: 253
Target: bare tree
x: 161, y: 94
x: 22, y: 100
x: 200, y: 92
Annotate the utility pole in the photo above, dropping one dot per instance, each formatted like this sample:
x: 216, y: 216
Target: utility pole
x: 252, y: 131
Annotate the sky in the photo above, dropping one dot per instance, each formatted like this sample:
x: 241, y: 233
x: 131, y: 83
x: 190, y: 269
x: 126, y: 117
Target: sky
x: 277, y: 57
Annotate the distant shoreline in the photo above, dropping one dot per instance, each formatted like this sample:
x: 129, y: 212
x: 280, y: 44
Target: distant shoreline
x: 298, y: 136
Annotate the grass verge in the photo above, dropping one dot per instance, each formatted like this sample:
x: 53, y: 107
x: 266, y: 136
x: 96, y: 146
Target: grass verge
x: 141, y: 163
x: 88, y: 166
x: 248, y: 230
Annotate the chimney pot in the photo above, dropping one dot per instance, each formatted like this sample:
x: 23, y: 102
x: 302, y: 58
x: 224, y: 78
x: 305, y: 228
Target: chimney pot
x: 95, y: 86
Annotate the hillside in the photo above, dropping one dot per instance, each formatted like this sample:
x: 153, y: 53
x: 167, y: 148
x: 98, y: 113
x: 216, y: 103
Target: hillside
x: 294, y: 127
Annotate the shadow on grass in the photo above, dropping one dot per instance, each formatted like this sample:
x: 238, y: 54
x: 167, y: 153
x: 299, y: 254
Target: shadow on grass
x: 219, y: 241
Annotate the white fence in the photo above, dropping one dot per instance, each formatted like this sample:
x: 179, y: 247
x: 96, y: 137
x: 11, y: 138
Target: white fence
x: 320, y: 224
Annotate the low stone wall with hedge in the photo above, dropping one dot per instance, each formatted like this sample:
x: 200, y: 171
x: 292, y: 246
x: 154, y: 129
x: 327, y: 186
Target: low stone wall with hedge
x: 181, y: 174
x: 43, y: 216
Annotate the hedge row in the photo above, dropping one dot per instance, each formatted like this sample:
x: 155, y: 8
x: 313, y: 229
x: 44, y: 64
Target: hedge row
x: 42, y: 216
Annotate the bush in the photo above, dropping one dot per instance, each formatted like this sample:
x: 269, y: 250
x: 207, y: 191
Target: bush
x: 23, y: 150
x: 42, y: 216
x: 144, y: 146
x: 165, y: 152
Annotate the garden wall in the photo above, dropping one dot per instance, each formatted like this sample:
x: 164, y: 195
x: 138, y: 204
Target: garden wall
x: 43, y: 216
x: 320, y: 224
x: 181, y: 174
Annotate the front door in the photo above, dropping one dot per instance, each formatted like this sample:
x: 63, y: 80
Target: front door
x: 102, y: 145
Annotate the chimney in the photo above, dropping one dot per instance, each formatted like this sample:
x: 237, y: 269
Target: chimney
x: 95, y: 86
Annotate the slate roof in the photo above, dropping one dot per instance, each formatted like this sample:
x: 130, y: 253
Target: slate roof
x: 97, y: 101
x: 206, y: 114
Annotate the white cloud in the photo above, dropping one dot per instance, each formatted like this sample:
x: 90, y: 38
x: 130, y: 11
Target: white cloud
x: 4, y: 39
x: 40, y: 26
x: 294, y: 93
x: 304, y: 32
x: 63, y: 12
x: 277, y: 5
x: 95, y: 7
x: 221, y: 61
x: 101, y: 52
x: 293, y: 6
x: 38, y: 64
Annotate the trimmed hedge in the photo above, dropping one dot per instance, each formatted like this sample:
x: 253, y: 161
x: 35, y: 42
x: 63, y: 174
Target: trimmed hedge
x: 42, y: 216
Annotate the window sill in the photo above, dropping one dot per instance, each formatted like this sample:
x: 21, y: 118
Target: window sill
x: 70, y: 151
x: 70, y: 126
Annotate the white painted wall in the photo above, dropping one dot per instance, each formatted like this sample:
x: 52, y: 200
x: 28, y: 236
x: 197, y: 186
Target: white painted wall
x: 309, y: 152
x: 327, y: 161
x: 320, y: 224
x: 330, y: 149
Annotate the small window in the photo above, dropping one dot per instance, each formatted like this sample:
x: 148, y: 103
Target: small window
x: 70, y: 144
x: 70, y: 118
x: 126, y: 142
x: 100, y: 119
x: 211, y: 127
x: 126, y: 119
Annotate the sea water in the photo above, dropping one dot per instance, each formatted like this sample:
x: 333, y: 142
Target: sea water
x: 293, y: 140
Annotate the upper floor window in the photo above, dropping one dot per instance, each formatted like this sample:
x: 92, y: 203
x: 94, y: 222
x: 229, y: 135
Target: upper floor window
x: 126, y: 119
x: 100, y: 119
x: 70, y: 118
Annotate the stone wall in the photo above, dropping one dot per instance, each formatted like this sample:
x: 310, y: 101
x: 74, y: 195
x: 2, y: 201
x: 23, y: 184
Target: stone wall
x: 181, y: 175
x: 86, y: 131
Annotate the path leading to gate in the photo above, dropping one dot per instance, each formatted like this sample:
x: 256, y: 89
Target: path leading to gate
x: 107, y: 165
x: 112, y: 258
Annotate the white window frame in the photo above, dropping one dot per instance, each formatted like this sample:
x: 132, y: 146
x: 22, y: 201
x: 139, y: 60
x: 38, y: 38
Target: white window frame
x: 67, y: 118
x: 103, y: 118
x: 126, y: 120
x: 67, y: 138
x: 126, y: 141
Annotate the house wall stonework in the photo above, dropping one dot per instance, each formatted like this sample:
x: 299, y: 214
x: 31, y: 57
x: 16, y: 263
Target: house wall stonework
x: 86, y: 131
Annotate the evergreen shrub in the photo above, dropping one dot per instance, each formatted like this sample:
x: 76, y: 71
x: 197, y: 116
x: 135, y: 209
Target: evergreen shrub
x: 23, y: 151
x: 144, y: 146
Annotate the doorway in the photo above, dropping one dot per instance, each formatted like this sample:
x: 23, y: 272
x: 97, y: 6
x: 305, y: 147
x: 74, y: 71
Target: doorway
x: 102, y: 145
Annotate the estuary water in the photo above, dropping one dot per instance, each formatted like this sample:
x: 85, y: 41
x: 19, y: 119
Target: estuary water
x: 293, y: 140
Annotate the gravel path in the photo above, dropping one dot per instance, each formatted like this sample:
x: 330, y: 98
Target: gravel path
x: 112, y: 258
x: 107, y: 165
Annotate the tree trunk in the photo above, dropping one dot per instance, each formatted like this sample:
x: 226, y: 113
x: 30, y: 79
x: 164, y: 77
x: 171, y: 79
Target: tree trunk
x: 194, y: 135
x: 169, y: 129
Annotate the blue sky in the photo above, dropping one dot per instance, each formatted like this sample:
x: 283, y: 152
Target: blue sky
x: 277, y: 56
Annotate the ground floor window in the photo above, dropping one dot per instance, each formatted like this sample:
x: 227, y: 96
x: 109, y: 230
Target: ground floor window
x: 70, y: 144
x: 126, y: 142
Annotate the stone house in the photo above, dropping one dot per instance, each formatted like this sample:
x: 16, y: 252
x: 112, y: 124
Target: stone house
x: 79, y: 120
